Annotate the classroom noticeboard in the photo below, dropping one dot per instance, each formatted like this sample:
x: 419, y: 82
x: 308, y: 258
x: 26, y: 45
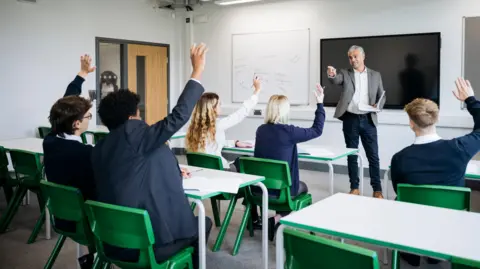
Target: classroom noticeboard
x: 280, y: 59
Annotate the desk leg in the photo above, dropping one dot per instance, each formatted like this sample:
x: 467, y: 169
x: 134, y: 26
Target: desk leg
x: 279, y: 248
x: 360, y: 168
x: 48, y: 228
x: 385, y: 186
x: 201, y: 235
x: 330, y: 176
x: 264, y: 225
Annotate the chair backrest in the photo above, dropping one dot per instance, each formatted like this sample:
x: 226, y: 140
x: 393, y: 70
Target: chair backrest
x: 85, y: 135
x: 98, y: 136
x: 122, y: 227
x: 276, y: 173
x: 458, y: 263
x: 433, y: 195
x: 44, y: 131
x: 204, y: 160
x: 27, y: 164
x: 304, y: 251
x: 66, y: 203
x: 3, y: 161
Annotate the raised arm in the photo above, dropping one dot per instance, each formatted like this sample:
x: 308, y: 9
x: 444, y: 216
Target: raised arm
x: 333, y: 77
x: 470, y: 143
x: 162, y: 131
x: 241, y: 113
x: 75, y: 87
x: 299, y: 134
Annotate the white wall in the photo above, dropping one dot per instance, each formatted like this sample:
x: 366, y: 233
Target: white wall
x: 328, y: 19
x: 42, y: 43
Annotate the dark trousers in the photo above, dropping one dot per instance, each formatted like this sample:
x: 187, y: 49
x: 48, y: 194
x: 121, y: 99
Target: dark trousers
x: 164, y: 253
x: 356, y: 127
x: 302, y: 188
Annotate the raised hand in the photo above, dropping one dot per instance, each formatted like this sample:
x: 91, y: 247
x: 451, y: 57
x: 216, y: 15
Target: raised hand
x: 257, y: 84
x: 86, y: 65
x: 464, y: 89
x: 331, y: 71
x: 319, y: 93
x: 197, y: 55
x: 240, y: 144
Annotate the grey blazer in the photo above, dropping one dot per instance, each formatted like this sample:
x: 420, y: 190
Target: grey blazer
x: 346, y: 78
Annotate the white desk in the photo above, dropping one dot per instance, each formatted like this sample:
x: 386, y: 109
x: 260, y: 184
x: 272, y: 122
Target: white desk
x: 198, y: 196
x: 324, y: 155
x: 424, y: 230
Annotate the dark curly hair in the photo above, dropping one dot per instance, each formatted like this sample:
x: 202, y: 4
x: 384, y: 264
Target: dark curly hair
x: 66, y: 111
x: 117, y: 107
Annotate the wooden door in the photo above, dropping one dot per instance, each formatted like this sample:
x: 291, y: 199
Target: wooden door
x: 147, y: 76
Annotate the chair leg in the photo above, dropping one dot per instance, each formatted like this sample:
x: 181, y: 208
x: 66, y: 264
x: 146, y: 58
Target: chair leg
x: 96, y: 263
x: 241, y: 229
x: 395, y: 260
x: 105, y: 265
x: 12, y: 208
x: 55, y: 252
x: 226, y: 222
x: 193, y: 205
x: 40, y: 220
x: 8, y: 190
x: 216, y: 215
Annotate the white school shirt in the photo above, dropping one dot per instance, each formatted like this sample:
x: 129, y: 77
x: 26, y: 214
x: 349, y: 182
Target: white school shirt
x: 425, y: 139
x: 361, y: 92
x: 215, y: 147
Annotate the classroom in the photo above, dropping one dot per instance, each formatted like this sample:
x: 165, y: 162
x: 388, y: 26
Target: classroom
x: 240, y: 134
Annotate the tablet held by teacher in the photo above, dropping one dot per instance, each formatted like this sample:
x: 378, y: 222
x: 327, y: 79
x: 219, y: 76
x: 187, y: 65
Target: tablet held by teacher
x: 361, y: 99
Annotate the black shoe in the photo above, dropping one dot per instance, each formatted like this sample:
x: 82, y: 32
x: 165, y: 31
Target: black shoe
x: 432, y: 261
x: 86, y: 261
x: 413, y: 260
x: 257, y: 224
x: 272, y: 228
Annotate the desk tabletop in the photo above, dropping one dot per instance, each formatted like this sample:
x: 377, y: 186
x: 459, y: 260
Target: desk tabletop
x: 317, y: 153
x: 211, y: 173
x: 426, y: 230
x: 34, y: 145
x: 473, y: 170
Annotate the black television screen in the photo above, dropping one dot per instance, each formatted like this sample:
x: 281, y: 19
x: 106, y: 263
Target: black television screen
x: 409, y: 65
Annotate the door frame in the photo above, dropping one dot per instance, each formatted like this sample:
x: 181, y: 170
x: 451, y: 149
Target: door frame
x: 124, y: 63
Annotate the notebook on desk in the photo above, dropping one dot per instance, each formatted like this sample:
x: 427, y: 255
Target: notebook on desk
x: 214, y: 184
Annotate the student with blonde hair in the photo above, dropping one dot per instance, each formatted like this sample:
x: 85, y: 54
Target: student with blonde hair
x: 432, y: 160
x: 206, y: 132
x: 277, y: 140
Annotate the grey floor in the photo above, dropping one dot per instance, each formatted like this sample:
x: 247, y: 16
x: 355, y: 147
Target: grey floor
x: 16, y: 254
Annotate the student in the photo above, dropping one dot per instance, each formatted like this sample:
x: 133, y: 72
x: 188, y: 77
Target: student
x: 134, y: 167
x: 66, y: 158
x: 277, y: 140
x: 432, y: 160
x: 206, y: 133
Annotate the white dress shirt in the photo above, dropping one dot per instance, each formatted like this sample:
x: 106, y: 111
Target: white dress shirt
x: 361, y: 92
x: 425, y: 139
x: 71, y: 137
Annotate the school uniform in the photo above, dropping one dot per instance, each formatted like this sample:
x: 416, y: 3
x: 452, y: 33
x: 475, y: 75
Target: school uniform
x: 67, y: 160
x: 134, y: 167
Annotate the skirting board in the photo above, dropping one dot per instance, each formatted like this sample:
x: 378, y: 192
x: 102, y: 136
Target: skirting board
x: 321, y: 167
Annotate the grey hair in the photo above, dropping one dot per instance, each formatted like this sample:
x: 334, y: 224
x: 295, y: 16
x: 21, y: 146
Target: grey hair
x: 355, y: 47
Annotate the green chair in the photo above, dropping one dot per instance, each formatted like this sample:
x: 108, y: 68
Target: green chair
x: 458, y: 263
x: 85, y: 135
x: 277, y: 177
x: 305, y: 251
x: 130, y: 228
x: 67, y: 203
x: 44, y: 131
x: 215, y: 162
x: 457, y: 198
x: 6, y: 181
x: 97, y: 136
x: 28, y: 171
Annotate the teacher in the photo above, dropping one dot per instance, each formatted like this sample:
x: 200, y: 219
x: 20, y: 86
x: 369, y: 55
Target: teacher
x: 362, y: 97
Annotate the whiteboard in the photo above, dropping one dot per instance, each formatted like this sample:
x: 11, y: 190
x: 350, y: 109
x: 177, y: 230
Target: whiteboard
x: 280, y: 59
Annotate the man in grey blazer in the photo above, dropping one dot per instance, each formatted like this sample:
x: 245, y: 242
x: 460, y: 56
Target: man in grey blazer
x: 362, y: 97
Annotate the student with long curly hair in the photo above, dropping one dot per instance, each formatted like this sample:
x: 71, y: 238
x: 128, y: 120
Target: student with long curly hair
x: 206, y: 133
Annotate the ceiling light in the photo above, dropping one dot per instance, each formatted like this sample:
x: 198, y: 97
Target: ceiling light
x: 233, y: 2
